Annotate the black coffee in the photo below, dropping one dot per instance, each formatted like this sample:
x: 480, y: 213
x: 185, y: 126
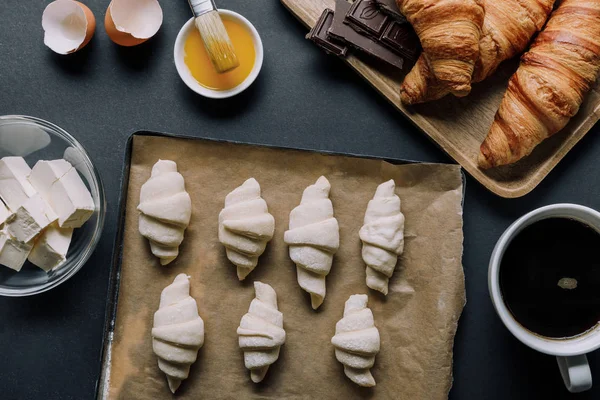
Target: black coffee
x: 550, y: 277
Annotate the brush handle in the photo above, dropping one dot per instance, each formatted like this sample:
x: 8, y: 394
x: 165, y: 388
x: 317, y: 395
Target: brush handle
x: 219, y: 48
x: 200, y: 7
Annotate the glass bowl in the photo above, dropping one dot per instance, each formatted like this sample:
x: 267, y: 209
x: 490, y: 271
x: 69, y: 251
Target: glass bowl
x: 35, y: 139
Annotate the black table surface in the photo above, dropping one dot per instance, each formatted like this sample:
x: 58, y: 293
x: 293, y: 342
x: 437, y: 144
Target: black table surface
x: 51, y: 343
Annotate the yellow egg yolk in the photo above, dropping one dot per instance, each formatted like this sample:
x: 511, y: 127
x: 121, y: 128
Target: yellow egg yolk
x: 202, y: 69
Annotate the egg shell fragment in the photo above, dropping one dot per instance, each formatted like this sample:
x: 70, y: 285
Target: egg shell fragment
x: 132, y: 22
x: 68, y: 26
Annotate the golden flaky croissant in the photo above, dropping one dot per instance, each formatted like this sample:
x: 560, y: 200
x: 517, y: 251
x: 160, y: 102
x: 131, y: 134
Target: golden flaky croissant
x: 508, y: 26
x: 550, y: 84
x: 449, y: 31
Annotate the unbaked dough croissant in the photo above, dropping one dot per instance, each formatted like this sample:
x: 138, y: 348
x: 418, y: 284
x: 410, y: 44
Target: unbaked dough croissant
x: 508, y: 26
x: 261, y: 332
x: 166, y: 209
x: 245, y: 226
x: 449, y: 31
x: 313, y: 239
x: 549, y: 86
x: 178, y: 331
x: 356, y: 341
x: 383, y: 236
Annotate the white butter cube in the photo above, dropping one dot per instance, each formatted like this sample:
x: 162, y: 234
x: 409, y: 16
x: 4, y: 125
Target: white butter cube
x: 45, y: 173
x: 30, y: 219
x: 4, y: 213
x: 14, y: 186
x: 51, y: 247
x: 13, y: 253
x: 62, y: 187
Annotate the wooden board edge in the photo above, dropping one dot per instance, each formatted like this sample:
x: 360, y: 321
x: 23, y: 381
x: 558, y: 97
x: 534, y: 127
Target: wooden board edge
x: 543, y: 172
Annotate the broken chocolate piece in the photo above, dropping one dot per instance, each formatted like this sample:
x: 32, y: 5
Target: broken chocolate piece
x: 318, y: 34
x: 398, y: 35
x: 342, y: 32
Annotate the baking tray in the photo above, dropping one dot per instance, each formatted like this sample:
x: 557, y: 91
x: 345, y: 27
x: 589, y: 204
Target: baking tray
x: 458, y: 126
x: 113, y: 291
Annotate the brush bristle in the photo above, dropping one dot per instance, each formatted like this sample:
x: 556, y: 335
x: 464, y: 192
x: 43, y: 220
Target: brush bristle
x: 216, y: 40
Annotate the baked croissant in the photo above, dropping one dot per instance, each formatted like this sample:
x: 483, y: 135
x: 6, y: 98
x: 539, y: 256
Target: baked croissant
x: 313, y: 239
x: 245, y: 226
x: 166, y: 209
x: 383, y: 236
x: 549, y: 86
x: 178, y: 331
x: 261, y: 332
x: 356, y: 341
x: 449, y: 31
x: 508, y: 26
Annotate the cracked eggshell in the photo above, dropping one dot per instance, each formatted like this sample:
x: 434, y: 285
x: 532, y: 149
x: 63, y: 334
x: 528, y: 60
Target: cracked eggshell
x: 132, y: 22
x: 68, y: 26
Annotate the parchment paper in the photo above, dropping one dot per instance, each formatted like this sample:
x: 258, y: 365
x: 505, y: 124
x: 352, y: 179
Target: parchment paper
x: 417, y: 321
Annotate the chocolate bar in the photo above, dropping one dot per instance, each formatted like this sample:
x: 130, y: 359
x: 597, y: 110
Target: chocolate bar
x: 319, y: 35
x: 340, y: 31
x: 366, y: 17
x: 390, y: 8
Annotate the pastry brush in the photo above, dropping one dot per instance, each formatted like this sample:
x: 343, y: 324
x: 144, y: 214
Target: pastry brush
x: 216, y: 40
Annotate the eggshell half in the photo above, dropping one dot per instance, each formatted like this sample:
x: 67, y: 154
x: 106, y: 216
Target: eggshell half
x: 131, y: 22
x: 68, y: 26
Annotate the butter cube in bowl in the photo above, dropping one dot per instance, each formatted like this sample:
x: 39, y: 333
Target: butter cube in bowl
x: 52, y: 206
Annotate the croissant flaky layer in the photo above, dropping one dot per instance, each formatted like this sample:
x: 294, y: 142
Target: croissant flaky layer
x: 449, y: 31
x: 549, y: 86
x: 165, y: 210
x: 382, y: 236
x: 178, y: 331
x: 356, y: 341
x: 508, y: 26
x: 261, y: 333
x: 313, y: 239
x: 245, y: 226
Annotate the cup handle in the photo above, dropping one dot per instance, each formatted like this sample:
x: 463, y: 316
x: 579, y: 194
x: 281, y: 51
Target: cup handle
x: 575, y: 372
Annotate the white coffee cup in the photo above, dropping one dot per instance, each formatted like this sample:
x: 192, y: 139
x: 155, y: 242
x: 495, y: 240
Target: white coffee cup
x: 570, y: 352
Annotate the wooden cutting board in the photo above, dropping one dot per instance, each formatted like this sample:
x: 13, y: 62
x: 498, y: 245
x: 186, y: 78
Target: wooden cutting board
x: 459, y: 126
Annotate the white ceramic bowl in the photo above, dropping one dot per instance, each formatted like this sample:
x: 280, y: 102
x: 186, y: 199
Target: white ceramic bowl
x: 192, y: 83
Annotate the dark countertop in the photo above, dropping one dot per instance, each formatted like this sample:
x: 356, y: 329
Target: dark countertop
x: 51, y: 343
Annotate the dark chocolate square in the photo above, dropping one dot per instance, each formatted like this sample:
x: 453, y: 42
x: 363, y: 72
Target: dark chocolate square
x: 319, y: 35
x: 390, y: 8
x: 365, y: 16
x: 400, y: 37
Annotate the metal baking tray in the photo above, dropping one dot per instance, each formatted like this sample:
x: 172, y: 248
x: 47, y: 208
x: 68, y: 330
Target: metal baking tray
x: 115, y: 272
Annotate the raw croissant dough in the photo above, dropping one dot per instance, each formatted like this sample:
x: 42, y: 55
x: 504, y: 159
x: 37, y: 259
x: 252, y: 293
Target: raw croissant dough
x: 356, y: 341
x: 178, y: 331
x: 261, y: 332
x: 313, y: 239
x: 383, y: 236
x: 165, y: 209
x: 245, y: 226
